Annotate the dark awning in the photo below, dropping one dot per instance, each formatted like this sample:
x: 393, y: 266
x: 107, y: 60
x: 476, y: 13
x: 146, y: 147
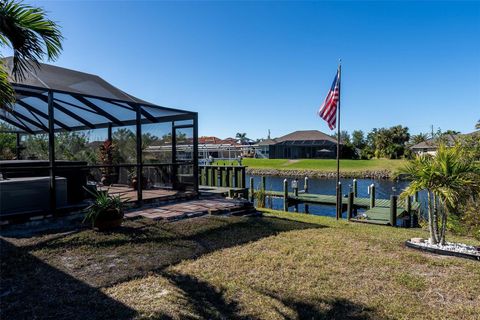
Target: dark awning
x: 81, y: 101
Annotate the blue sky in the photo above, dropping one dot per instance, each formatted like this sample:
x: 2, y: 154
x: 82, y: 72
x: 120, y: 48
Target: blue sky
x: 253, y: 66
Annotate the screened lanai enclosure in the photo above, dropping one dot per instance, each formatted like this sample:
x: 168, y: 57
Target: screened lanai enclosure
x: 78, y: 133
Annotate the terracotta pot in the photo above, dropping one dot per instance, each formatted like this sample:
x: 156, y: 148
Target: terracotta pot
x: 102, y: 225
x: 134, y: 183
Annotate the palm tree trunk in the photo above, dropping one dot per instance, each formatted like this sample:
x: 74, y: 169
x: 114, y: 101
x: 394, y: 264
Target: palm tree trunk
x: 435, y: 217
x: 444, y: 224
x: 433, y: 238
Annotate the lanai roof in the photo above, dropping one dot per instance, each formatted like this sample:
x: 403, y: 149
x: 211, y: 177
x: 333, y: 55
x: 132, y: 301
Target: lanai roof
x: 81, y: 101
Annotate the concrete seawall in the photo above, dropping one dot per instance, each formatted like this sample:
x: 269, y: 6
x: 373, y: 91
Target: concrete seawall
x: 363, y: 174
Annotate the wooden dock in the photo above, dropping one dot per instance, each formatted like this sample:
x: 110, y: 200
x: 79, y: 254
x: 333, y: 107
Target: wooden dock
x: 377, y: 211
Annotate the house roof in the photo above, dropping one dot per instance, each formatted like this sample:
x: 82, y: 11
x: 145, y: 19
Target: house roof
x: 267, y: 142
x: 433, y: 142
x: 215, y: 140
x: 306, y: 135
x: 80, y: 100
x: 449, y: 139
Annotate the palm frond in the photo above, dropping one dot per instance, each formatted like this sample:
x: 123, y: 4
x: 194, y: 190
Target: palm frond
x: 7, y: 94
x: 30, y: 34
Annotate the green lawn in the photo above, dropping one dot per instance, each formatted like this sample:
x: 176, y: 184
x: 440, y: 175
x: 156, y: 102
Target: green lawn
x: 324, y: 164
x: 279, y: 266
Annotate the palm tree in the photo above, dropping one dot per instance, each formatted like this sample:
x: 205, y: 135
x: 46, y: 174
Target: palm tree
x: 417, y: 138
x: 31, y: 36
x: 242, y: 137
x: 450, y: 179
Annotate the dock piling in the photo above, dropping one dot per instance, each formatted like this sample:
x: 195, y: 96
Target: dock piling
x: 339, y: 200
x: 408, y: 208
x: 305, y: 189
x: 355, y: 186
x: 285, y: 195
x: 252, y: 190
x: 295, y: 192
x: 350, y: 205
x: 393, y: 210
x: 372, y: 196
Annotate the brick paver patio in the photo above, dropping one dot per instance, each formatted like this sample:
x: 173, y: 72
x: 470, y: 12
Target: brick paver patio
x: 193, y: 208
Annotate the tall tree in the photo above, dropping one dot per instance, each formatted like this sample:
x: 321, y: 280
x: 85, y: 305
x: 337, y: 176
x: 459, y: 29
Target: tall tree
x: 358, y: 139
x: 388, y: 142
x: 477, y: 126
x: 32, y: 37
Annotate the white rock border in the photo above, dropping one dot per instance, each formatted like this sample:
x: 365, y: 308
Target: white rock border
x: 450, y: 248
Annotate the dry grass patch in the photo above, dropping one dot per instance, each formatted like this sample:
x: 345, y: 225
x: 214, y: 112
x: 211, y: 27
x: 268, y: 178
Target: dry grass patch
x: 280, y: 266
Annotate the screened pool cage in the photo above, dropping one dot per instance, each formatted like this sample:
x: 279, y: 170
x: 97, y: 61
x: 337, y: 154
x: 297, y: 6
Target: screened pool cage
x: 128, y: 159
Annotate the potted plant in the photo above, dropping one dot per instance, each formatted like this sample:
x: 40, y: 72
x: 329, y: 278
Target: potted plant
x: 134, y: 179
x: 107, y: 153
x: 106, y: 212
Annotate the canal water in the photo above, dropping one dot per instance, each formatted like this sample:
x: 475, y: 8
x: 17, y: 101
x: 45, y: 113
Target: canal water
x: 383, y: 190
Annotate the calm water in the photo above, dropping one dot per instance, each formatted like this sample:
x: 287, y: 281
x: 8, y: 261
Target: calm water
x: 327, y: 186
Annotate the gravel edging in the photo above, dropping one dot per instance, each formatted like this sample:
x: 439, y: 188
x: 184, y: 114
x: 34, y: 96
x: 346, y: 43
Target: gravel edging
x: 364, y: 174
x: 439, y: 251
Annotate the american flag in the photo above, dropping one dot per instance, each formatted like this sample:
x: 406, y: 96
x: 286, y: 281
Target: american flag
x: 328, y: 109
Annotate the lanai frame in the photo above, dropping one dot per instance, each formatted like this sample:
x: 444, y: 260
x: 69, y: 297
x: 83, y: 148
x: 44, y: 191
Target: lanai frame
x: 35, y: 121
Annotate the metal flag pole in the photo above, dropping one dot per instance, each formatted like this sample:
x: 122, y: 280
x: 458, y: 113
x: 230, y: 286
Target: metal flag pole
x: 338, y: 192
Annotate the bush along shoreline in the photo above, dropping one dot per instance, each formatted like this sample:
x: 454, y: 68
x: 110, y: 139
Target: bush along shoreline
x: 300, y: 173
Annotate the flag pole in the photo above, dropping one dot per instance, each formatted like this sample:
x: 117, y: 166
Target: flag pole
x: 338, y: 213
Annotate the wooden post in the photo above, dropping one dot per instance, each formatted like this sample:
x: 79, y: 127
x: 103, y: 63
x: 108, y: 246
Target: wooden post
x: 295, y: 193
x: 219, y: 176
x: 305, y: 189
x: 212, y: 176
x: 408, y: 208
x: 372, y: 196
x: 227, y: 177
x: 415, y: 197
x: 351, y: 195
x: 244, y: 177
x: 264, y: 184
x: 355, y: 188
x: 393, y: 210
x: 235, y: 177
x: 339, y: 209
x: 285, y: 195
x: 231, y: 194
x: 252, y: 190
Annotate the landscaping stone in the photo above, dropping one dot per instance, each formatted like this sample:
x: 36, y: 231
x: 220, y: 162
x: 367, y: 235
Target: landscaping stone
x: 450, y: 248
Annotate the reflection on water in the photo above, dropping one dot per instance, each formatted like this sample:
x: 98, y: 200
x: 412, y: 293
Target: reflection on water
x: 327, y: 186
